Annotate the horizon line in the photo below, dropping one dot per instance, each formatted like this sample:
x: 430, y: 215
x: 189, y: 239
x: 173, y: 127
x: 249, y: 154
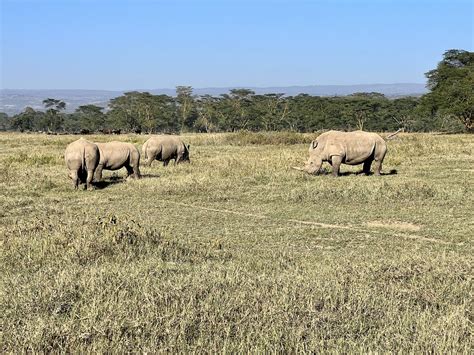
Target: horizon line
x: 222, y: 87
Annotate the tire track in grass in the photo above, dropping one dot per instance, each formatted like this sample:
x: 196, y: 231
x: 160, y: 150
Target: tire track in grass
x: 313, y: 223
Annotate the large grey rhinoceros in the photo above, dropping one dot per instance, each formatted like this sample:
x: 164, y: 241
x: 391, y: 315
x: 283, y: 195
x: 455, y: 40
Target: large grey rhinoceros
x: 351, y: 148
x: 115, y: 155
x: 82, y: 158
x: 164, y: 148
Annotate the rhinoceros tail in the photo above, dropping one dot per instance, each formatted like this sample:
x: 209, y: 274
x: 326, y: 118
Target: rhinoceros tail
x: 83, y: 163
x: 390, y: 136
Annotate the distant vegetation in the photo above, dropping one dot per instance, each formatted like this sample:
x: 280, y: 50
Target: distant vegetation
x: 449, y: 106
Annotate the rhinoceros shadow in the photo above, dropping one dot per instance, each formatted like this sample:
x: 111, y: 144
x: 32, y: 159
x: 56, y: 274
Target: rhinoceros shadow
x: 350, y: 173
x: 150, y: 176
x: 391, y: 172
x: 104, y: 183
x: 99, y: 185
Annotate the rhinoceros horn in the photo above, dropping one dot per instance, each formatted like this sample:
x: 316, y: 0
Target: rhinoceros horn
x: 297, y: 168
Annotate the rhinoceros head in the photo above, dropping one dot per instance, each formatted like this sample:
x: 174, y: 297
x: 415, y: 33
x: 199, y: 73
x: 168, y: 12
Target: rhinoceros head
x: 313, y: 164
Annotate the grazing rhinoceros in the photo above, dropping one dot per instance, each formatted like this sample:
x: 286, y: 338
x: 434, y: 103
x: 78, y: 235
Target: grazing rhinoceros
x: 82, y: 158
x: 164, y: 148
x: 351, y: 148
x: 115, y: 155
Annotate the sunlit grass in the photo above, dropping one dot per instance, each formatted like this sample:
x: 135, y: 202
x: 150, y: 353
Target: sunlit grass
x: 236, y: 251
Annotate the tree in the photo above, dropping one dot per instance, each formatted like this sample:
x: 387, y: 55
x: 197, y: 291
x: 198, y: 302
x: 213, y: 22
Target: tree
x: 363, y: 108
x: 165, y: 115
x: 452, y: 87
x: 208, y: 114
x: 54, y: 104
x: 5, y: 121
x: 240, y: 100
x: 185, y: 102
x: 269, y: 110
x: 90, y: 117
x: 125, y: 111
x: 53, y: 118
x: 303, y: 113
x: 403, y: 113
x: 142, y: 110
x: 25, y: 121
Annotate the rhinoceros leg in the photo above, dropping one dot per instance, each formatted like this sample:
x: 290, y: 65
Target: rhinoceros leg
x: 378, y: 167
x: 98, y: 173
x: 367, y: 164
x: 135, y: 165
x: 75, y: 179
x: 133, y: 171
x: 166, y: 162
x: 336, y: 161
x: 379, y: 155
x: 90, y: 177
x: 151, y: 158
x: 129, y: 171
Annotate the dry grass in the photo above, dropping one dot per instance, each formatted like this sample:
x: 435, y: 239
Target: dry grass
x: 237, y: 252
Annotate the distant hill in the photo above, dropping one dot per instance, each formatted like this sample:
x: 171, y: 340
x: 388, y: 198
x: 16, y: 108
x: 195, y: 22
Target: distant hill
x: 13, y: 101
x: 389, y: 90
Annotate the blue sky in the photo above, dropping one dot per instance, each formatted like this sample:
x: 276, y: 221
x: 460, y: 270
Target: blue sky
x: 145, y: 44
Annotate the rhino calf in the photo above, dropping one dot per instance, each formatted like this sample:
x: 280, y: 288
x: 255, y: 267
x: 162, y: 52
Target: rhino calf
x: 164, y: 148
x: 115, y: 155
x: 82, y: 158
x: 351, y: 148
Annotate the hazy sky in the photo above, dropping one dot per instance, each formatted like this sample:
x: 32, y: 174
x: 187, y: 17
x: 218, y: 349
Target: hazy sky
x: 145, y: 44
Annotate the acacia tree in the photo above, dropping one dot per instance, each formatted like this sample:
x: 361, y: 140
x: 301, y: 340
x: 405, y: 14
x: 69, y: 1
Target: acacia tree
x: 403, y: 112
x: 4, y: 121
x: 53, y: 118
x: 452, y: 87
x: 240, y: 100
x: 185, y: 103
x: 362, y: 107
x: 124, y: 111
x: 208, y: 114
x: 297, y: 112
x: 90, y: 117
x: 25, y: 121
x: 164, y: 114
x: 142, y: 110
x: 269, y: 108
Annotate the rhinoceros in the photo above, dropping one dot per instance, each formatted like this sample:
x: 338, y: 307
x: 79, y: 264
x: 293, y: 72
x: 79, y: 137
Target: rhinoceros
x: 351, y: 148
x: 82, y: 158
x: 115, y: 155
x: 164, y: 148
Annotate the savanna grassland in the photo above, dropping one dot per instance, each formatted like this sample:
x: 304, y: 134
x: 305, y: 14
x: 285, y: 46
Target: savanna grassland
x: 237, y: 252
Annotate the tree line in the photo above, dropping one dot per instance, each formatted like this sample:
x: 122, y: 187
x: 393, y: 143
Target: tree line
x: 449, y: 106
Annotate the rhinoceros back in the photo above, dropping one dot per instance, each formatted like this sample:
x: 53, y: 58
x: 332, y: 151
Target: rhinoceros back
x: 355, y: 147
x: 360, y: 146
x: 113, y: 155
x: 166, y: 146
x: 81, y: 155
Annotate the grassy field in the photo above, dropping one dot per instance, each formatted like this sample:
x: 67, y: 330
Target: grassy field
x: 238, y: 252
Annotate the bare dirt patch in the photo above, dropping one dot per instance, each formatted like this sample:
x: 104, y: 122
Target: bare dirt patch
x: 397, y: 225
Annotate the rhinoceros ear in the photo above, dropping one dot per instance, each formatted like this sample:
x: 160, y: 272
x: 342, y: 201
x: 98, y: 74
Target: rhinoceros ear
x: 314, y: 144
